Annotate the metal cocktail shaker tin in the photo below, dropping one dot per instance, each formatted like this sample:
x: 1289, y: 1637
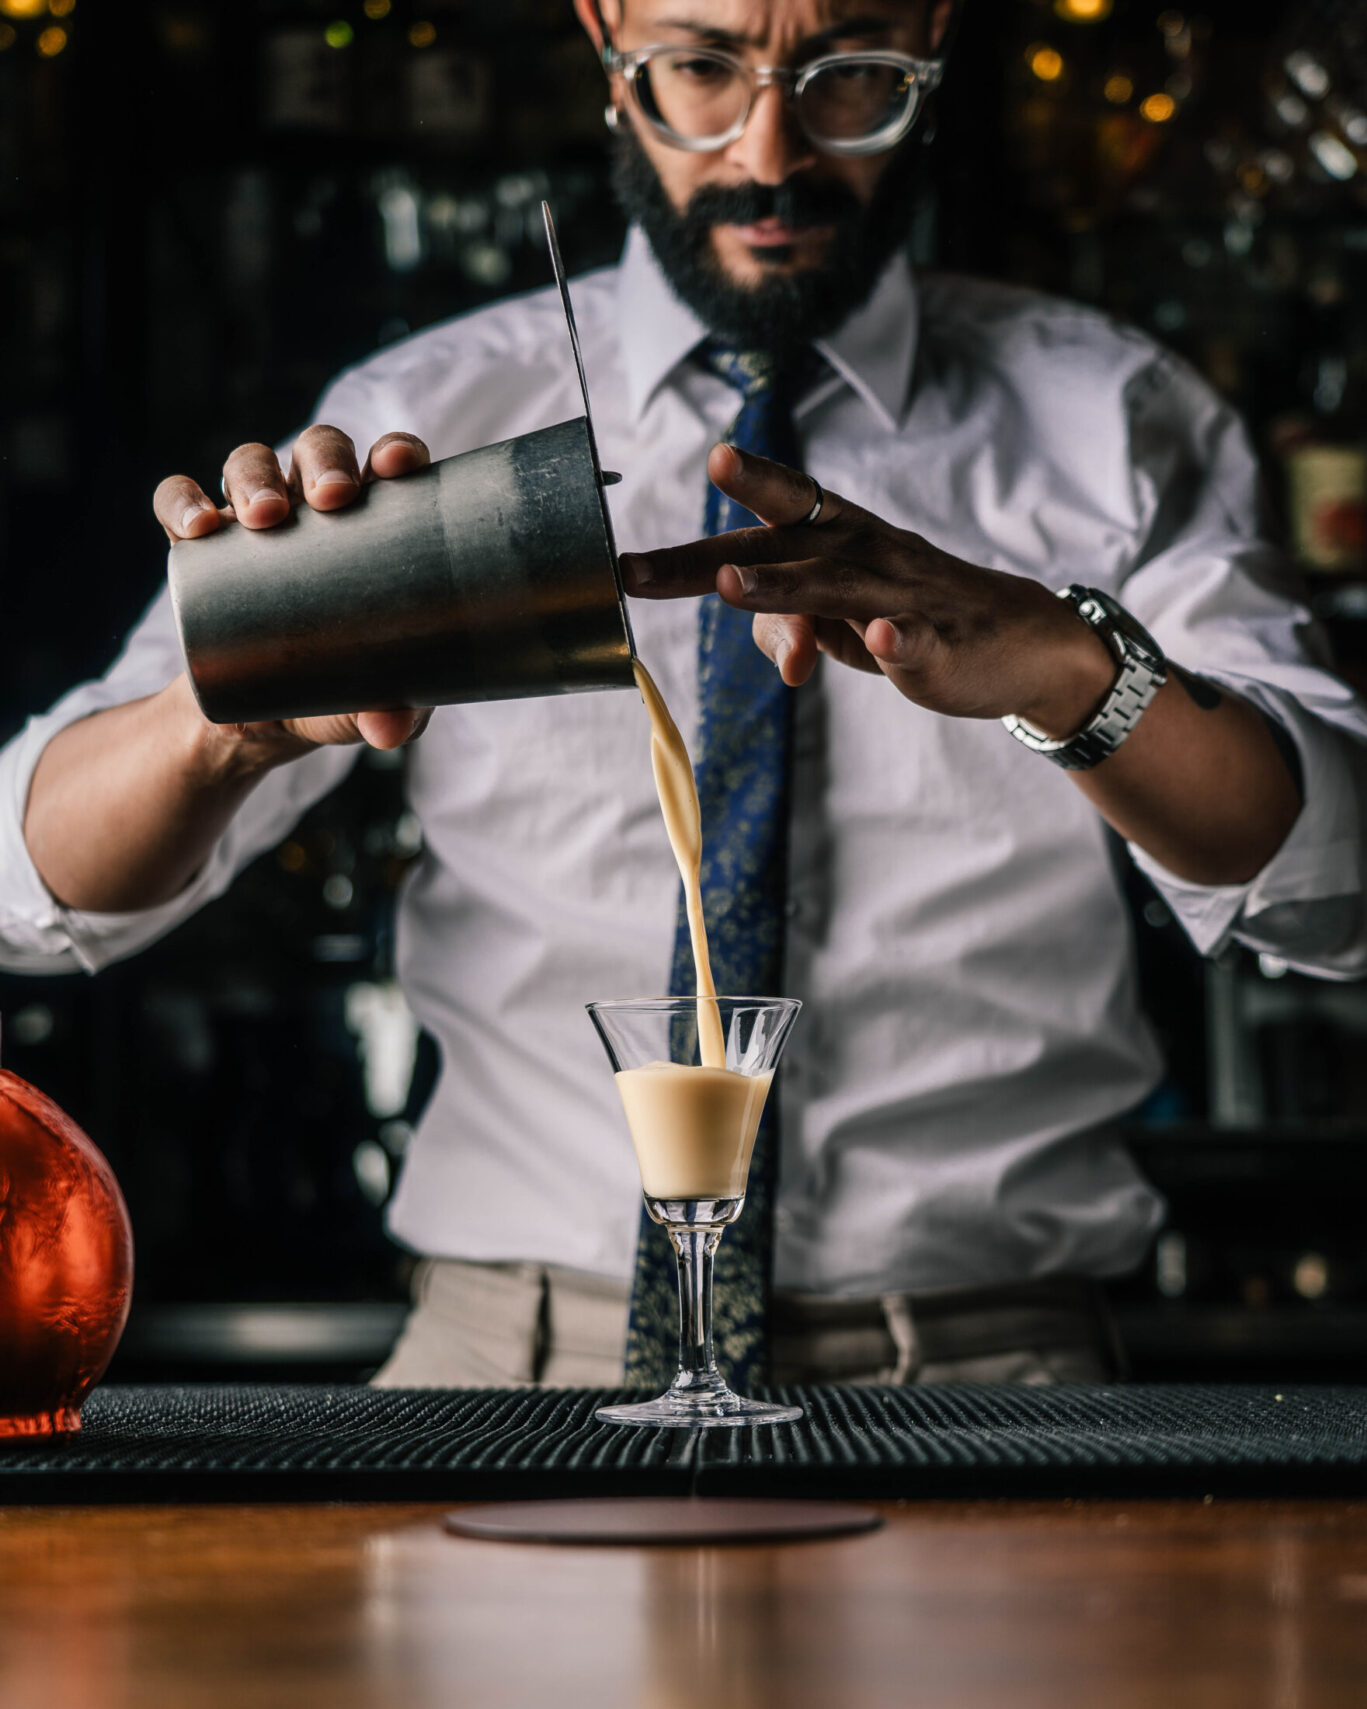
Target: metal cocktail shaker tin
x: 488, y: 576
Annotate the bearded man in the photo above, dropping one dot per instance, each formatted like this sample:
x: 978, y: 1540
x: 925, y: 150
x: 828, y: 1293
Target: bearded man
x: 917, y: 467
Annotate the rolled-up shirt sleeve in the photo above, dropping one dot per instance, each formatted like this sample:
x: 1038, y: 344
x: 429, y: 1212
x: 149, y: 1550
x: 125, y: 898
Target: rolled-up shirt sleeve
x: 1223, y: 603
x: 37, y: 933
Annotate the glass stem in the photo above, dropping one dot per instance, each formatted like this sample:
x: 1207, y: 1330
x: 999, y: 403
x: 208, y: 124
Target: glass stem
x: 694, y: 1247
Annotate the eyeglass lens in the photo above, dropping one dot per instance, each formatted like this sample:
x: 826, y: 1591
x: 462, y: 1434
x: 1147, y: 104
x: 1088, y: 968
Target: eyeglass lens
x: 701, y: 95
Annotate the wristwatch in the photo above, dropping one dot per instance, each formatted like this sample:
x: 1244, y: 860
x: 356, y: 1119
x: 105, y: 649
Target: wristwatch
x: 1143, y: 671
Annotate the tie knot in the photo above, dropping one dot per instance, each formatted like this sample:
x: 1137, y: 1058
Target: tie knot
x: 757, y: 374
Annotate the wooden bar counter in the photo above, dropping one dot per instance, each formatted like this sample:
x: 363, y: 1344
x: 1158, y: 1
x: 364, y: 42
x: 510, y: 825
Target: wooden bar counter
x: 241, y: 1546
x: 963, y: 1605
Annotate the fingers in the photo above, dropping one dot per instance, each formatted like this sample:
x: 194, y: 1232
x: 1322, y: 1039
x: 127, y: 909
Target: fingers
x: 255, y: 487
x: 395, y: 454
x: 676, y: 572
x: 844, y: 643
x: 391, y: 729
x: 901, y: 643
x: 778, y: 495
x: 323, y: 468
x: 180, y: 506
x: 818, y: 587
x: 781, y: 497
x: 790, y: 642
x: 883, y: 639
x: 323, y: 474
x: 795, y: 643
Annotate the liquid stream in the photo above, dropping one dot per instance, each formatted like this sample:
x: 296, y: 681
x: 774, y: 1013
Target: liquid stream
x: 678, y: 793
x: 693, y: 1126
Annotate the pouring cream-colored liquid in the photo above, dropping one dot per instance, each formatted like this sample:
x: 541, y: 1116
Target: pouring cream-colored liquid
x: 678, y: 793
x: 693, y: 1127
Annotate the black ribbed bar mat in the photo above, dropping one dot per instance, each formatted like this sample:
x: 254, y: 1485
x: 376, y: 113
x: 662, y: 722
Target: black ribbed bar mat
x: 288, y: 1442
x: 989, y: 1440
x: 252, y: 1442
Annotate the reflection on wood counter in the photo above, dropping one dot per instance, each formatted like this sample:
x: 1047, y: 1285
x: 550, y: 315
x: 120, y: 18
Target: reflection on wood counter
x: 1113, y: 1605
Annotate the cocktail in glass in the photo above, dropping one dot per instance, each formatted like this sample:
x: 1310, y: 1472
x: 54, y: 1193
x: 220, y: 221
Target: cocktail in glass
x: 693, y: 1127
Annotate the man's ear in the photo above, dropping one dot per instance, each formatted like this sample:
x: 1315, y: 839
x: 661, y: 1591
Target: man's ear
x: 593, y: 14
x: 942, y: 20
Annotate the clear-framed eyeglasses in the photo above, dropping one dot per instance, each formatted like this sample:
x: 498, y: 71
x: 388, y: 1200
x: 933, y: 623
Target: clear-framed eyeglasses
x: 699, y: 99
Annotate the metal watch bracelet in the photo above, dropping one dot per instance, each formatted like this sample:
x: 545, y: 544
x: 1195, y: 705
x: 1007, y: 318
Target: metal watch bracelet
x: 1143, y: 671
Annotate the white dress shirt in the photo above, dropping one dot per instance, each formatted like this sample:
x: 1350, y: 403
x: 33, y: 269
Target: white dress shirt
x: 956, y: 931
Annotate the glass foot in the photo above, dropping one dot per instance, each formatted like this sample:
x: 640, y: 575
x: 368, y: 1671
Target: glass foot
x: 716, y: 1412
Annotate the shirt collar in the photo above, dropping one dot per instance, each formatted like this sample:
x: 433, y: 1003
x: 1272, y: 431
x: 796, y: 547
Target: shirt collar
x: 873, y: 352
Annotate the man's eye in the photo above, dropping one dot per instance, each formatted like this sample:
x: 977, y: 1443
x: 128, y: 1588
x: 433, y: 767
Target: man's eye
x: 702, y: 70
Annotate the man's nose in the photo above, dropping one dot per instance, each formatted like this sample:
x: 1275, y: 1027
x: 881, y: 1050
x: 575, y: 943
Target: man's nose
x: 773, y: 145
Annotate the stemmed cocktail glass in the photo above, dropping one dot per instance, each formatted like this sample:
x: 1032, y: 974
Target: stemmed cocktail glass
x: 693, y: 1128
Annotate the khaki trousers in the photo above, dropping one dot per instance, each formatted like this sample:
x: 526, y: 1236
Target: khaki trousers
x: 514, y: 1325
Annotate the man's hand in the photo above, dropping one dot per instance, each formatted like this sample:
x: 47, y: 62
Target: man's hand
x: 1201, y: 783
x: 324, y: 475
x: 966, y: 641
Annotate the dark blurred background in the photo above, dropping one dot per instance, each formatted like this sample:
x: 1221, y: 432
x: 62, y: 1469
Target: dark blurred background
x: 206, y: 209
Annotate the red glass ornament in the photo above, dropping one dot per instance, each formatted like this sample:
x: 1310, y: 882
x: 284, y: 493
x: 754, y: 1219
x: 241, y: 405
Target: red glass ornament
x: 66, y: 1264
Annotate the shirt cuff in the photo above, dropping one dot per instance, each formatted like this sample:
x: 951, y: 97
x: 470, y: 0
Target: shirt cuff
x: 38, y: 934
x: 1303, y: 906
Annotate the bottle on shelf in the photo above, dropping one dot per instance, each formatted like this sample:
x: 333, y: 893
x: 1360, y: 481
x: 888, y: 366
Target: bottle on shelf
x: 1324, y: 446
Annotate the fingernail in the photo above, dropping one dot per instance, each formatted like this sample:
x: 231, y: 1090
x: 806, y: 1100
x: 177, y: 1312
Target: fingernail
x: 334, y: 478
x: 638, y: 572
x: 746, y: 578
x: 267, y: 495
x: 190, y: 513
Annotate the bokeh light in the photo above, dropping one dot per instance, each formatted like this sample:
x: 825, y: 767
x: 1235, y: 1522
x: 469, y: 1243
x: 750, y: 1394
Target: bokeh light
x: 1046, y: 63
x: 1083, y: 11
x: 1118, y: 89
x: 339, y: 33
x: 377, y: 8
x: 1337, y: 160
x: 61, y: 8
x: 422, y: 34
x: 1310, y: 1278
x: 23, y: 8
x: 52, y: 41
x: 1158, y: 109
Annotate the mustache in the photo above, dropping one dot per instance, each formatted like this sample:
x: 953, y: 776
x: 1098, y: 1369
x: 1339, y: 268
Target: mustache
x: 797, y: 202
x: 786, y: 309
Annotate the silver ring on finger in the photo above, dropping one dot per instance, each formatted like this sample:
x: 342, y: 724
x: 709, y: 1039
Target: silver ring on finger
x: 814, y: 514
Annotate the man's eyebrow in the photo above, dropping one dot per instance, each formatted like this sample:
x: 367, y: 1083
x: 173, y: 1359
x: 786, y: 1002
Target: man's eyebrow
x: 718, y: 37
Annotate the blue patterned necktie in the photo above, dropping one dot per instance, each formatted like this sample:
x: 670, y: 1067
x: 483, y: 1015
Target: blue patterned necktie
x: 741, y: 765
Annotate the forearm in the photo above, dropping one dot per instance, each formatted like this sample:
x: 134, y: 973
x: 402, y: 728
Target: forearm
x: 1202, y: 789
x: 127, y: 805
x: 1199, y: 783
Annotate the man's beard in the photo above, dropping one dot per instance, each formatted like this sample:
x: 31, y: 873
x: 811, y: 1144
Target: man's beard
x: 784, y: 309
